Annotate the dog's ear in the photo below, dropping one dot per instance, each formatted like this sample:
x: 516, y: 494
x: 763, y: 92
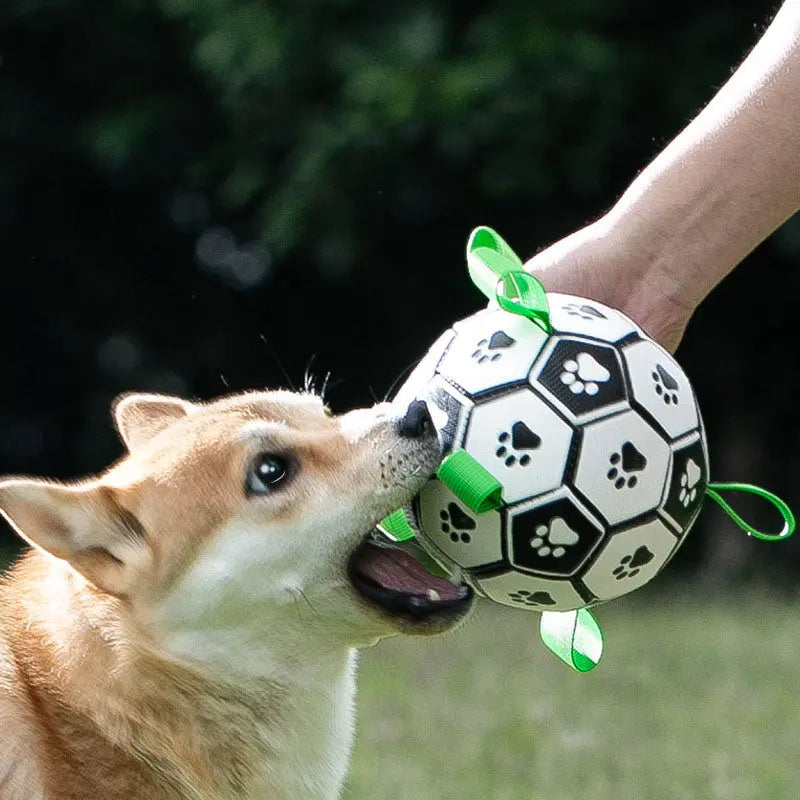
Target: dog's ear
x: 139, y: 417
x: 83, y: 525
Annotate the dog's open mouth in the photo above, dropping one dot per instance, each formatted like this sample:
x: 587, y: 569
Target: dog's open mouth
x: 391, y: 578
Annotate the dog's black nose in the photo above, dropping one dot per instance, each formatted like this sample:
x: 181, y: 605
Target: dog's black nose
x: 417, y: 421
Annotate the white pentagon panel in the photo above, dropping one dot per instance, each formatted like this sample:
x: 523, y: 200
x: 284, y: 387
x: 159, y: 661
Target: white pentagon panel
x: 521, y: 441
x: 526, y: 591
x: 491, y: 308
x: 467, y: 538
x: 583, y: 379
x: 630, y: 559
x: 492, y: 349
x: 449, y: 410
x: 570, y: 314
x: 661, y: 387
x: 551, y: 536
x: 622, y: 466
x: 424, y: 371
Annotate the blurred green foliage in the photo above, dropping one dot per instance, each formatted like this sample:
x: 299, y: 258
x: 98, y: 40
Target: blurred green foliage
x: 312, y: 122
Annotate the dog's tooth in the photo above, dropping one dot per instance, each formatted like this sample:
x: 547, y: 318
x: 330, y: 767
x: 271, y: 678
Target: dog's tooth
x: 434, y: 595
x: 456, y: 576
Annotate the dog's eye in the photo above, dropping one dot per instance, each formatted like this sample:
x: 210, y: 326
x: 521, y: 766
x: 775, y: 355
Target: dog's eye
x: 267, y: 473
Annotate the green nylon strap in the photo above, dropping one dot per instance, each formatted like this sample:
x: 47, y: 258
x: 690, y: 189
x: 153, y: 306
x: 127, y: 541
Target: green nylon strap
x: 470, y: 482
x: 521, y: 293
x: 497, y: 271
x: 574, y: 636
x: 396, y: 526
x: 713, y: 491
x: 492, y: 240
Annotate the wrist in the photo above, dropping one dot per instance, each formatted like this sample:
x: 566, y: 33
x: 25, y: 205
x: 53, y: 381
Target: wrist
x: 652, y: 285
x: 667, y: 249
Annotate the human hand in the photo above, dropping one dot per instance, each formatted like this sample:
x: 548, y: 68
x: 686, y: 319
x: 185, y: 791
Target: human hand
x: 729, y: 179
x: 598, y: 263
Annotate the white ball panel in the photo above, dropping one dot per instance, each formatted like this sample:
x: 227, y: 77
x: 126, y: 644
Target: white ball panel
x: 525, y: 591
x: 469, y: 539
x: 492, y: 349
x: 424, y: 371
x: 622, y: 466
x: 661, y: 387
x: 467, y: 322
x: 570, y: 314
x: 521, y: 441
x: 630, y: 559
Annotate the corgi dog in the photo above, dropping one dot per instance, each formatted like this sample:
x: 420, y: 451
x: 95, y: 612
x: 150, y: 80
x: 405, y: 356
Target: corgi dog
x: 184, y: 625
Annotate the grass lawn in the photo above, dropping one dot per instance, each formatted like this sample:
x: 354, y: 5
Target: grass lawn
x: 693, y: 699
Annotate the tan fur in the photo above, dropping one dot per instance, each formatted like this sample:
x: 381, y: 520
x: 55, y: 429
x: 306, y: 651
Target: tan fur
x: 98, y: 698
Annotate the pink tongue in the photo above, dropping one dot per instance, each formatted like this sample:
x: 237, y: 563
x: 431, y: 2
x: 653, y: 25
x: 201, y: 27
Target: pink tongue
x: 399, y: 571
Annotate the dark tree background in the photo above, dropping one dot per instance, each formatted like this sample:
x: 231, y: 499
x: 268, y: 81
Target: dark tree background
x: 202, y: 196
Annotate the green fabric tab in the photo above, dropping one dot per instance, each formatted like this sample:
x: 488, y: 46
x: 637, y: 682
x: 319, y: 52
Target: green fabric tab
x: 497, y: 271
x: 521, y: 293
x: 471, y: 483
x: 490, y: 239
x: 574, y: 636
x: 489, y: 257
x: 486, y: 267
x: 396, y: 526
x: 713, y: 491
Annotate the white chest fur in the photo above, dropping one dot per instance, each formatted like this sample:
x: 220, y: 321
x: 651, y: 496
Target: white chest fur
x: 313, y: 745
x: 256, y: 608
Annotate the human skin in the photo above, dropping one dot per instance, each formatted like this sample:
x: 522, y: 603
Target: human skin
x: 724, y: 184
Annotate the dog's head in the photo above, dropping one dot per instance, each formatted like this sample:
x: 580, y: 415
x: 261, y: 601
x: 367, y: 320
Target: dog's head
x: 242, y: 523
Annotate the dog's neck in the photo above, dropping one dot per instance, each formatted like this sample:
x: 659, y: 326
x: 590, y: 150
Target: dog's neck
x: 183, y: 731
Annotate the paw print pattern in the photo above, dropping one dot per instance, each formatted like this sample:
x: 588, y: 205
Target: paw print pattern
x: 553, y: 539
x: 623, y: 463
x: 630, y: 565
x: 457, y: 524
x: 660, y: 388
x: 584, y: 379
x: 584, y: 373
x: 524, y: 597
x: 687, y: 484
x: 487, y: 349
x: 690, y: 477
x: 584, y: 311
x: 665, y: 385
x: 520, y: 438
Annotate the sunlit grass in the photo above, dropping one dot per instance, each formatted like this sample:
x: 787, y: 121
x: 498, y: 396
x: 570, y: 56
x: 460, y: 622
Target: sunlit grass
x: 693, y: 699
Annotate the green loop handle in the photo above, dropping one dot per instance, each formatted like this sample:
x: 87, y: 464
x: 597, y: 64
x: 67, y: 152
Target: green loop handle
x: 470, y: 482
x: 574, y: 636
x: 497, y: 271
x: 520, y: 293
x: 713, y: 491
x: 396, y: 526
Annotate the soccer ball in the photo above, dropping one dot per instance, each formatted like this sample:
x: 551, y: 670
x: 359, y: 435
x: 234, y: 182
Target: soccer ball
x: 594, y: 433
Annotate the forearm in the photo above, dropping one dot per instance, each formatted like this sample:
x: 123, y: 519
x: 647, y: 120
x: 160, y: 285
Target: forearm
x: 725, y: 182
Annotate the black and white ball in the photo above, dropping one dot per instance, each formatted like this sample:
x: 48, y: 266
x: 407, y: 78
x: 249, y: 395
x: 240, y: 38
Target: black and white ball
x: 595, y: 436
